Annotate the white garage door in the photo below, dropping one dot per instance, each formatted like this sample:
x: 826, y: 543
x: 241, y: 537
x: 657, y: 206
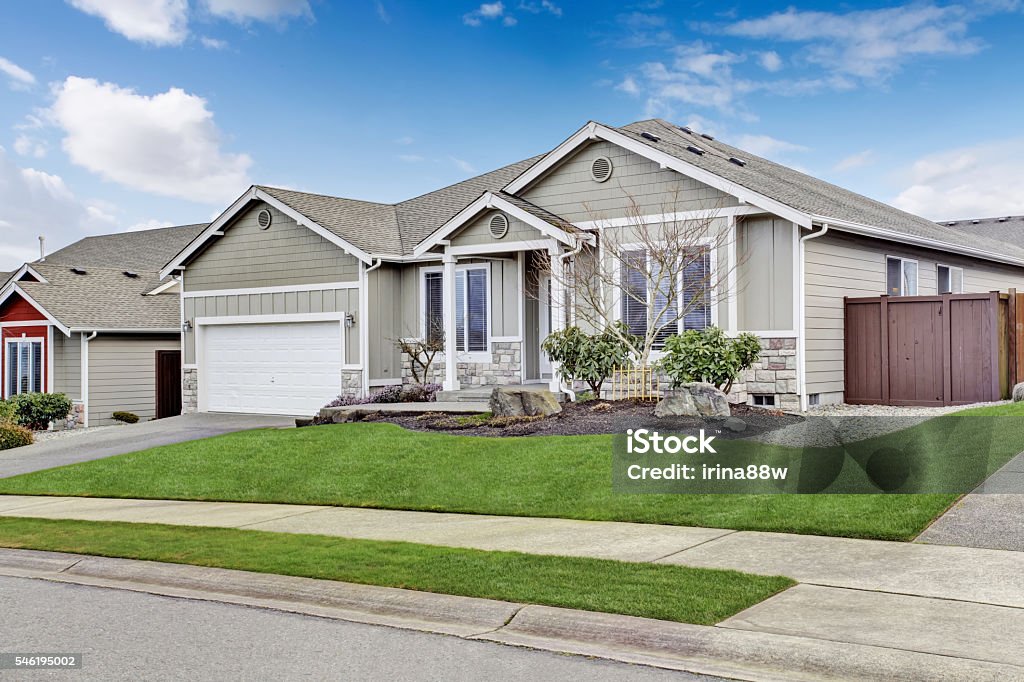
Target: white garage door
x: 292, y: 368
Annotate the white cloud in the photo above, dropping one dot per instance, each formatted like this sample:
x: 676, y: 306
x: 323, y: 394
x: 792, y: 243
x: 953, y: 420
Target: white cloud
x: 543, y: 6
x: 158, y: 22
x: 33, y: 203
x: 969, y: 182
x: 382, y: 12
x: 151, y: 224
x: 868, y: 44
x: 628, y: 86
x: 410, y: 158
x: 27, y: 145
x: 488, y: 11
x: 214, y: 43
x: 767, y: 146
x: 770, y: 61
x: 858, y: 160
x: 166, y: 144
x: 464, y: 166
x: 509, y: 21
x: 242, y: 11
x: 19, y: 78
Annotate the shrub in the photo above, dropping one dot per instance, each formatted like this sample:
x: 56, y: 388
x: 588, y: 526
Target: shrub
x: 408, y: 393
x: 14, y: 436
x: 126, y: 417
x: 7, y: 413
x: 588, y: 357
x: 36, y: 410
x: 709, y: 356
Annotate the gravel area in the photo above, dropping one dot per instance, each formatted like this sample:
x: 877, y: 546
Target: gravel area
x: 43, y: 436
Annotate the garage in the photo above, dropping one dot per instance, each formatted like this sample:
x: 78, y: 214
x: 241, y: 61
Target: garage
x: 289, y: 368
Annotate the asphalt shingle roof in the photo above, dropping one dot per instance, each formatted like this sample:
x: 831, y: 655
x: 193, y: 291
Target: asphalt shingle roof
x: 141, y: 250
x: 1009, y: 229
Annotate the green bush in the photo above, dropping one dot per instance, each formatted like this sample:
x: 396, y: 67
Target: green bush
x: 7, y: 413
x: 709, y: 356
x: 14, y: 436
x: 589, y: 357
x: 126, y: 417
x: 36, y: 410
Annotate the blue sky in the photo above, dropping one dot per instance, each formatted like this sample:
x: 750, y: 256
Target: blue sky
x: 119, y: 114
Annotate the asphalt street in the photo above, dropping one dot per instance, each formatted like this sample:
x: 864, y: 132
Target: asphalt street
x: 126, y: 635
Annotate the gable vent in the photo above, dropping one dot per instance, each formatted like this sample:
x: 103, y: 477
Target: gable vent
x: 77, y: 270
x: 498, y: 225
x: 601, y: 169
x: 738, y: 162
x: 263, y: 219
x: 650, y: 136
x: 696, y: 150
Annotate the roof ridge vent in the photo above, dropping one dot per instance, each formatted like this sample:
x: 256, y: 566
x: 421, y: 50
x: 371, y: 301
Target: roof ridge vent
x: 975, y: 222
x: 706, y: 136
x: 1003, y: 220
x: 650, y: 136
x: 738, y: 162
x: 686, y: 129
x: 131, y: 274
x: 78, y: 270
x: 695, y: 149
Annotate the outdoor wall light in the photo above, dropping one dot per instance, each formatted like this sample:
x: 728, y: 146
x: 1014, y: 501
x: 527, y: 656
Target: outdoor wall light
x: 186, y: 326
x: 350, y: 320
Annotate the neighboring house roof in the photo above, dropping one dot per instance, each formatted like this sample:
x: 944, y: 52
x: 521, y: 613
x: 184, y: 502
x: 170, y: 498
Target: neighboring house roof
x: 140, y: 250
x: 1008, y: 229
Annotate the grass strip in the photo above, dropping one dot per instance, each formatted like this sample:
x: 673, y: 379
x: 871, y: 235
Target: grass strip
x: 676, y: 593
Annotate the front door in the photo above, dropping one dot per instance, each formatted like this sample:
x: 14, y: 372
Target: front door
x: 544, y: 314
x: 168, y: 383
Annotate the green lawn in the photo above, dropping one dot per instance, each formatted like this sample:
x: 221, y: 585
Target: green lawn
x: 677, y: 593
x: 385, y: 466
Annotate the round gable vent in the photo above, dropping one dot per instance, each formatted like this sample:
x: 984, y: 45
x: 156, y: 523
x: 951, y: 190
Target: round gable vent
x: 499, y: 225
x: 263, y: 219
x: 601, y: 169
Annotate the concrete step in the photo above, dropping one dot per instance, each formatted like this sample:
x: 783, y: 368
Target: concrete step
x: 476, y: 394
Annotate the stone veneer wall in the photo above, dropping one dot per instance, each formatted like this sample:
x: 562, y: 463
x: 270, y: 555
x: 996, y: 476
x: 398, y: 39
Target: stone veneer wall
x: 505, y: 367
x: 351, y: 382
x: 190, y: 390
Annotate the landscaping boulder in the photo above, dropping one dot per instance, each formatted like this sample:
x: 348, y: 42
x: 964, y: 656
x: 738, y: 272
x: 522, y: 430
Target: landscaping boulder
x: 694, y: 400
x: 1018, y: 393
x: 509, y: 401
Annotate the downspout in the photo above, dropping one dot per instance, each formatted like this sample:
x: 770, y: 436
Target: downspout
x: 801, y: 353
x: 562, y: 257
x: 85, y: 376
x: 364, y: 323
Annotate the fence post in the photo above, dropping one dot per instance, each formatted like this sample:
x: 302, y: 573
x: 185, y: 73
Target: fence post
x: 1011, y: 344
x: 883, y: 308
x: 993, y: 320
x: 947, y: 349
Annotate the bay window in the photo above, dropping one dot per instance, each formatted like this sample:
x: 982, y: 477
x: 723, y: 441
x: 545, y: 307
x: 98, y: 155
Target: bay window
x: 24, y: 366
x: 471, y: 308
x: 643, y: 282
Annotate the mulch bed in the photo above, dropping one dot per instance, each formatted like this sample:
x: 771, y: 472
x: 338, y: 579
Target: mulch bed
x: 592, y: 418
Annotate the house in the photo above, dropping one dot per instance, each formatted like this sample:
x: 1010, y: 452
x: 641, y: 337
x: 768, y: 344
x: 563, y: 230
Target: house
x: 94, y: 321
x: 290, y: 298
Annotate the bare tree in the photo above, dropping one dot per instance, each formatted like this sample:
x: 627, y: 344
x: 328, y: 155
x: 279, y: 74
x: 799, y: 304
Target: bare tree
x: 652, y: 276
x: 422, y: 351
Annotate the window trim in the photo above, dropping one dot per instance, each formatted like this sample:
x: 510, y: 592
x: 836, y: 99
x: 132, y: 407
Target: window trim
x: 657, y: 354
x: 10, y: 340
x: 903, y: 261
x: 484, y: 356
x: 951, y: 268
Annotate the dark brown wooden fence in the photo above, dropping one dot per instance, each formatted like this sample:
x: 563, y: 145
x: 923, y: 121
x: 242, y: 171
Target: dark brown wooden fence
x: 952, y: 349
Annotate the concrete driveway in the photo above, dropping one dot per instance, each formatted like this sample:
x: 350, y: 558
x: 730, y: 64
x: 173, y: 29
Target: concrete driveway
x: 129, y: 438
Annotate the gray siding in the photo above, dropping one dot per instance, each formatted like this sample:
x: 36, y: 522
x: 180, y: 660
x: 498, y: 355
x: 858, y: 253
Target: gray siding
x: 764, y: 277
x: 839, y: 265
x: 67, y: 365
x: 479, y: 232
x: 569, y: 190
x: 385, y: 319
x: 280, y: 303
x: 283, y: 254
x: 122, y: 375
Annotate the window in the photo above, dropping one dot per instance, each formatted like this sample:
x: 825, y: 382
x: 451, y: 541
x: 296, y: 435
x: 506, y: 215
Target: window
x: 950, y: 279
x: 640, y: 280
x: 24, y: 366
x: 901, y: 276
x: 471, y: 308
x: 760, y: 400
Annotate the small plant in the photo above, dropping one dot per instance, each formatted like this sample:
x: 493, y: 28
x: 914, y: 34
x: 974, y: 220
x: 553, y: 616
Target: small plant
x: 709, y: 356
x: 585, y: 397
x: 126, y: 417
x: 8, y: 415
x: 14, y: 436
x: 411, y: 393
x: 588, y: 357
x: 422, y: 352
x: 36, y: 410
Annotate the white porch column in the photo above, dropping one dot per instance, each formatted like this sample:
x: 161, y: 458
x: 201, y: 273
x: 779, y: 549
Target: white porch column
x: 557, y: 303
x: 451, y: 367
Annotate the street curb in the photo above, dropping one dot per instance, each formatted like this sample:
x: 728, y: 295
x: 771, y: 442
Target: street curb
x: 737, y: 654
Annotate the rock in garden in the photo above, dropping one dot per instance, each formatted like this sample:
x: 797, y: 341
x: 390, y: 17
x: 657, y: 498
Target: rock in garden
x: 1018, y: 393
x: 679, y: 405
x: 509, y: 401
x: 708, y: 400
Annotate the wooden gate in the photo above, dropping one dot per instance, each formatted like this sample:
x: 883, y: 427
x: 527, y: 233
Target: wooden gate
x: 951, y: 349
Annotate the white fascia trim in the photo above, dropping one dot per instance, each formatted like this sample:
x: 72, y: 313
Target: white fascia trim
x: 163, y: 287
x: 254, y: 194
x: 284, y: 289
x: 269, y: 319
x: 118, y: 330
x: 498, y: 247
x: 13, y: 288
x: 902, y: 238
x: 596, y: 131
x: 17, y: 275
x: 679, y: 216
x: 491, y: 201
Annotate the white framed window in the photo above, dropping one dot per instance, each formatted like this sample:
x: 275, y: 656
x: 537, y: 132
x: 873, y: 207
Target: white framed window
x: 949, y: 279
x: 472, y: 307
x: 639, y: 283
x: 23, y: 366
x: 900, y: 276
